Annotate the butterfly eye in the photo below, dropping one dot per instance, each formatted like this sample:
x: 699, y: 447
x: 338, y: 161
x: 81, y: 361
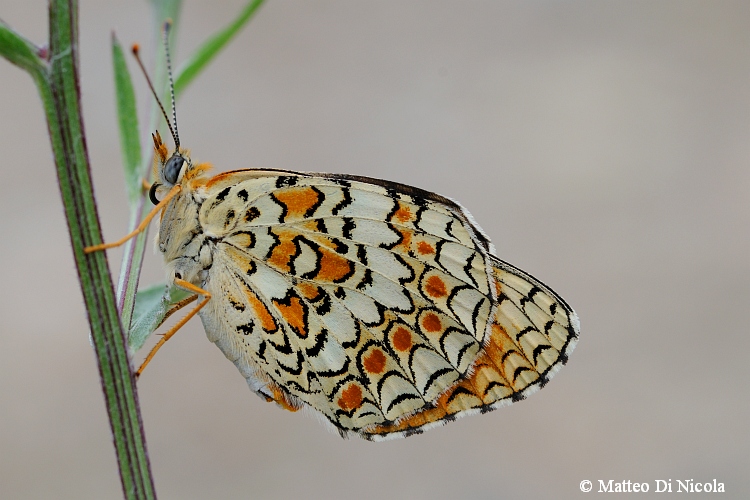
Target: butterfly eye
x: 172, y: 169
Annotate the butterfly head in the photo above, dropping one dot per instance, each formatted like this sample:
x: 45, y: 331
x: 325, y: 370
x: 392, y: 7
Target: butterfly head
x: 169, y: 169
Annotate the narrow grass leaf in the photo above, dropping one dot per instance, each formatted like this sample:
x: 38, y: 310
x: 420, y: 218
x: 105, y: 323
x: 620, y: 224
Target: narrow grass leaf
x: 211, y: 47
x: 127, y: 117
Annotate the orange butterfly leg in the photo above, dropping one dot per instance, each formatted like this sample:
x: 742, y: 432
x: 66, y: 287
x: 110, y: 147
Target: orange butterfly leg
x: 187, y: 286
x: 141, y: 227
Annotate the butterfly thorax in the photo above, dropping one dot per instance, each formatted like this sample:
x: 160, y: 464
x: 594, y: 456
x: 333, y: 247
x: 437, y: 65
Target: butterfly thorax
x: 181, y: 240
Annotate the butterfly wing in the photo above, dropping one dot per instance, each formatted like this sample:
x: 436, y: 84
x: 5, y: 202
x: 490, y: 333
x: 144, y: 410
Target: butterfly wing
x: 379, y: 305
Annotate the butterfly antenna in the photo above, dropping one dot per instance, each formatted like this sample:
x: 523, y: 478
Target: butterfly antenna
x: 176, y: 135
x: 136, y: 52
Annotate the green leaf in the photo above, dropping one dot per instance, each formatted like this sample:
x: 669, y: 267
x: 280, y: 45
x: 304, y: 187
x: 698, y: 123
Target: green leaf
x: 127, y: 116
x: 20, y: 51
x: 132, y: 260
x: 151, y: 306
x: 211, y: 47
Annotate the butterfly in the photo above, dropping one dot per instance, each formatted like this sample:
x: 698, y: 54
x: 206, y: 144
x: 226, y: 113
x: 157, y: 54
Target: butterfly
x: 381, y: 306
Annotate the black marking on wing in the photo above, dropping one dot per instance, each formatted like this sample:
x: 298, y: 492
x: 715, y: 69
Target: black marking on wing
x: 412, y: 274
x: 249, y: 234
x: 381, y: 314
x: 463, y: 351
x: 239, y: 306
x: 362, y: 254
x: 245, y: 329
x: 272, y: 247
x: 284, y: 209
x: 548, y: 326
x: 347, y: 228
x: 394, y: 208
x: 345, y: 202
x: 229, y: 218
x: 507, y: 354
x: 320, y: 199
x: 517, y: 396
x: 325, y: 304
x: 341, y: 247
x: 491, y: 386
x: 451, y: 298
x: 475, y: 314
x: 284, y: 180
x: 523, y: 332
x: 221, y: 196
x: 251, y: 214
x: 386, y: 376
x: 358, y: 334
x: 457, y: 392
x: 422, y: 209
x: 538, y: 350
x: 335, y: 373
x: 318, y: 255
x: 529, y: 296
x: 469, y: 265
x: 439, y: 248
x: 449, y: 228
x: 436, y: 375
x: 399, y: 239
x: 366, y: 279
x: 293, y: 370
x: 445, y: 334
x: 401, y: 398
x: 519, y: 370
x: 262, y: 351
x: 242, y: 194
x: 252, y: 268
x: 320, y: 340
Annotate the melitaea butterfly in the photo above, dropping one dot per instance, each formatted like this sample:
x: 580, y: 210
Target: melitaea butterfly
x: 381, y: 306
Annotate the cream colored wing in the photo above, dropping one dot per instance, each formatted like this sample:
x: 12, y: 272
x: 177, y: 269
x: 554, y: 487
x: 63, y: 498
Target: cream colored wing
x: 373, y: 303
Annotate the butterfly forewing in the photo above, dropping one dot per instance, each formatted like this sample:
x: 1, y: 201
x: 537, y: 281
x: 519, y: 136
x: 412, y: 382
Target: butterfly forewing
x: 379, y: 305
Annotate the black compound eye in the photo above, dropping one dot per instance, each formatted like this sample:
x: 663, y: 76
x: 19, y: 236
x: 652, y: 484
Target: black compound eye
x: 172, y: 169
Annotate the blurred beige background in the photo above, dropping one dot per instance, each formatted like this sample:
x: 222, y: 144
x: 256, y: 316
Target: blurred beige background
x: 604, y: 147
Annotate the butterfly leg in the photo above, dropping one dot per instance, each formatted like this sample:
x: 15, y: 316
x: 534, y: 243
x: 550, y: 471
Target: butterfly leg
x: 192, y: 288
x: 141, y: 227
x: 179, y: 305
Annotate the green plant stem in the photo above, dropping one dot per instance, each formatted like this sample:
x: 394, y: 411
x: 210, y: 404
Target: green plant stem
x: 61, y: 98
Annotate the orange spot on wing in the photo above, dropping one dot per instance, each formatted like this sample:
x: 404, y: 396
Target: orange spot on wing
x: 425, y: 248
x: 298, y: 200
x: 351, y: 398
x: 308, y: 290
x: 402, y: 339
x: 333, y: 267
x: 405, y: 240
x: 403, y: 214
x: 294, y: 314
x: 283, y: 252
x: 281, y: 398
x: 435, y: 287
x: 431, y: 323
x: 375, y: 361
x: 261, y: 312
